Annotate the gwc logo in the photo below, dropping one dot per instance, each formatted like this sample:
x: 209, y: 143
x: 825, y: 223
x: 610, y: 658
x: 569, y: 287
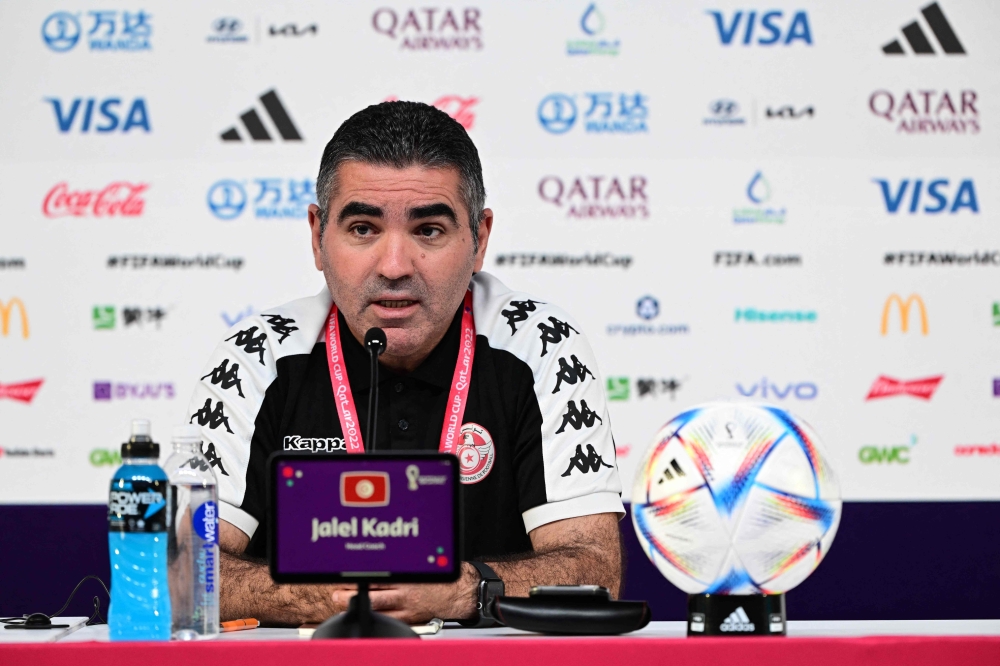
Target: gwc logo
x: 227, y: 199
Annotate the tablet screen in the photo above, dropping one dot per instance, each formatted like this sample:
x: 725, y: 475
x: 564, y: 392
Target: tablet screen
x: 376, y: 517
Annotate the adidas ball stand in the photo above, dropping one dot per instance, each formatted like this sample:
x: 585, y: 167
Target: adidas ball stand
x: 736, y: 615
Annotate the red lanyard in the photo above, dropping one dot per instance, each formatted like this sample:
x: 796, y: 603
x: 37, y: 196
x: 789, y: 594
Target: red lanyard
x: 458, y: 394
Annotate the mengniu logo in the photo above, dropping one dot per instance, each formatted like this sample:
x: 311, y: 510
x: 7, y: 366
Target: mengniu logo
x: 762, y: 28
x: 898, y: 454
x: 592, y: 197
x: 887, y: 387
x: 110, y: 30
x: 7, y: 310
x: 105, y: 391
x: 766, y: 390
x: 917, y: 39
x: 367, y: 489
x: 927, y: 111
x: 103, y: 115
x: 904, y: 312
x: 277, y: 198
x: 603, y: 113
x: 254, y: 124
x: 592, y: 25
x: 120, y: 198
x: 21, y: 391
x: 759, y: 193
x: 431, y: 28
x: 105, y: 316
x: 620, y: 388
x: 938, y: 197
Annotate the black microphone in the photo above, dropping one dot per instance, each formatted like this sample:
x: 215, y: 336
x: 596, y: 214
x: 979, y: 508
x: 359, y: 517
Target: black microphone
x: 375, y: 344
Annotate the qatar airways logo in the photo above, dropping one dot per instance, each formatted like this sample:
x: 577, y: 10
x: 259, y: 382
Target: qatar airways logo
x: 597, y: 197
x: 119, y: 198
x: 431, y: 28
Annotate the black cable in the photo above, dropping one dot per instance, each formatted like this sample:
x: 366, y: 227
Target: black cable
x: 97, y: 604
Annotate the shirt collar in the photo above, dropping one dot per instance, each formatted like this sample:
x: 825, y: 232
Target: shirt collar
x: 437, y: 369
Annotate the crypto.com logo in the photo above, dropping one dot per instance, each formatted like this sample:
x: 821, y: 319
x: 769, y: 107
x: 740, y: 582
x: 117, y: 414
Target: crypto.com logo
x: 887, y: 387
x: 5, y: 311
x: 904, y: 312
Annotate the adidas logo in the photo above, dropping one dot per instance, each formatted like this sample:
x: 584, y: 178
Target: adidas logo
x: 917, y: 39
x: 255, y: 126
x: 737, y: 621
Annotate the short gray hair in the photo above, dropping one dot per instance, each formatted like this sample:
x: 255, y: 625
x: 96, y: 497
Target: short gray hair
x: 401, y: 135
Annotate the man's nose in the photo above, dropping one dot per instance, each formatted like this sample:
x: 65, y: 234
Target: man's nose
x: 396, y: 255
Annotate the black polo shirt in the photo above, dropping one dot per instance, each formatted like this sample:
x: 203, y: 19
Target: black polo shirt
x: 537, y: 444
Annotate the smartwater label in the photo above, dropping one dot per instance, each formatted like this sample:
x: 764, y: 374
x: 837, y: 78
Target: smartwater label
x: 137, y: 505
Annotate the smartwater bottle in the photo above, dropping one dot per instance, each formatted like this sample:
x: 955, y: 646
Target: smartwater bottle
x: 138, y: 517
x: 193, y: 546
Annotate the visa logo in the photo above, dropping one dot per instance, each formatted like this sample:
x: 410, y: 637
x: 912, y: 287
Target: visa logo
x: 743, y: 26
x: 103, y: 116
x: 935, y: 197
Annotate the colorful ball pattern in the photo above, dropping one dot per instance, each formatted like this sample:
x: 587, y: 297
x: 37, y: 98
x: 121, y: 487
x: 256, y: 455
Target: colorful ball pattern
x: 736, y: 499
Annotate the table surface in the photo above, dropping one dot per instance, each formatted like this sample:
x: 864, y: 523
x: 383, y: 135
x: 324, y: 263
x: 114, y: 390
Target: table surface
x: 796, y: 629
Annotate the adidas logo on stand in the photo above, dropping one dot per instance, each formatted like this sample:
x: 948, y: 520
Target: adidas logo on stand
x: 737, y: 621
x: 255, y: 126
x: 918, y: 41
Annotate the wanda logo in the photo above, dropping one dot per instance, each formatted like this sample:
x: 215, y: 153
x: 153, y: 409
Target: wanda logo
x: 118, y: 198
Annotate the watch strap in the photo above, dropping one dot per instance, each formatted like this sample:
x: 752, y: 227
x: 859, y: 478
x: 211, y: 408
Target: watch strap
x: 490, y: 587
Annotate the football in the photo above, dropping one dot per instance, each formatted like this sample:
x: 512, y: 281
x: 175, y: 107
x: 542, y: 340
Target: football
x: 736, y: 499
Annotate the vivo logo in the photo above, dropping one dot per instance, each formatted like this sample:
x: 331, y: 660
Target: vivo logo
x: 936, y: 200
x: 765, y: 389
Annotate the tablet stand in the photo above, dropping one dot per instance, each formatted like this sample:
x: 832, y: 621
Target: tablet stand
x: 736, y: 615
x: 361, y: 622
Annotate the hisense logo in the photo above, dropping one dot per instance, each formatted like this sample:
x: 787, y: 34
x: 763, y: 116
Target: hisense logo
x: 753, y: 315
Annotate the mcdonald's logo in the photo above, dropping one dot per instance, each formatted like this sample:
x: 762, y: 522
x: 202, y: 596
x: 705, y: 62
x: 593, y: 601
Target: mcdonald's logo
x: 5, y: 312
x: 904, y: 312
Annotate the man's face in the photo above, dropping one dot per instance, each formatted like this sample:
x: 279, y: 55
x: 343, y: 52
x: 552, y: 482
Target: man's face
x: 397, y: 254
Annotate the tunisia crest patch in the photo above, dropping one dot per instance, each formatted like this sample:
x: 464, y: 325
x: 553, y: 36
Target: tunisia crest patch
x: 475, y: 454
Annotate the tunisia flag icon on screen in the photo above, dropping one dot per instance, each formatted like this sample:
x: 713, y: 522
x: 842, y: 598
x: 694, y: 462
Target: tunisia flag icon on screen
x: 364, y: 488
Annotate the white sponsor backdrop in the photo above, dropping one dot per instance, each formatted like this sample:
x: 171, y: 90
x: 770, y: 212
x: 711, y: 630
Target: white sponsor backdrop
x: 494, y: 64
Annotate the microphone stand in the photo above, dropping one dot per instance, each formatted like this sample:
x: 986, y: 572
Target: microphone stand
x: 375, y: 343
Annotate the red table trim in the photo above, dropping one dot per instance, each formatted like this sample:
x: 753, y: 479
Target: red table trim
x: 526, y: 651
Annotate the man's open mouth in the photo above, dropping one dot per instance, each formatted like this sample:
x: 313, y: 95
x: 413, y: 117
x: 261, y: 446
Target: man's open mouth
x: 395, y: 304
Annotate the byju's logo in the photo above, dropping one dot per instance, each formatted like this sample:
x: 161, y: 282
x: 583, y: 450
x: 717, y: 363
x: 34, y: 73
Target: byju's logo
x: 110, y: 30
x: 227, y: 30
x: 585, y: 197
x: 110, y: 109
x: 592, y: 24
x: 277, y: 198
x: 430, y: 28
x: 917, y: 38
x: 927, y: 111
x: 936, y: 198
x: 118, y: 198
x: 605, y: 113
x: 647, y: 308
x: 254, y: 125
x: 724, y: 112
x: 105, y: 390
x: 775, y: 28
x: 759, y: 192
x: 898, y: 454
x: 767, y: 390
x: 887, y: 387
x: 904, y: 312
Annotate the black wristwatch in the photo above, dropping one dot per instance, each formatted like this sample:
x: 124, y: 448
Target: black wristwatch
x: 490, y: 587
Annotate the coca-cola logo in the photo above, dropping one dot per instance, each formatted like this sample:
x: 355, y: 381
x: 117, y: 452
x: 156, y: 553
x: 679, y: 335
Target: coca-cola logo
x: 119, y: 198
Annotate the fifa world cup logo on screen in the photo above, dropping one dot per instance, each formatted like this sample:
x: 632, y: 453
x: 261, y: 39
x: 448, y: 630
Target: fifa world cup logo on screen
x: 367, y: 489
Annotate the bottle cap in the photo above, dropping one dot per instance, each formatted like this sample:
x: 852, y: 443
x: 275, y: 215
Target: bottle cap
x: 140, y: 444
x: 187, y: 433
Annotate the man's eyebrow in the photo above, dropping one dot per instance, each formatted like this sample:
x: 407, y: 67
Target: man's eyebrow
x: 358, y: 208
x: 434, y: 210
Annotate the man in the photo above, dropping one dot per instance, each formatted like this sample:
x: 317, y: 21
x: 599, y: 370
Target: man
x: 400, y: 234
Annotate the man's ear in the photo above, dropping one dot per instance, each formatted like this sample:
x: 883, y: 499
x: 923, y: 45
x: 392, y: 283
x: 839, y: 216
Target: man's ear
x: 317, y: 236
x: 485, y: 227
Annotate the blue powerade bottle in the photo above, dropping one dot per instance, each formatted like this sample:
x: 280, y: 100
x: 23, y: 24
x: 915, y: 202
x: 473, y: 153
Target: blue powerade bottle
x: 138, y: 519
